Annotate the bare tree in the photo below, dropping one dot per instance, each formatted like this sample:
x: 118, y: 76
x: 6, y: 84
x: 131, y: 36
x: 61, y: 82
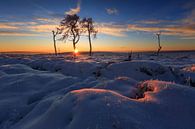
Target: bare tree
x: 71, y: 29
x: 55, y: 33
x: 87, y: 25
x: 159, y: 45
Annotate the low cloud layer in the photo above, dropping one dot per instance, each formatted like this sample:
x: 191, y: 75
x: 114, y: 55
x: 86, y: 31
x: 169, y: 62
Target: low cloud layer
x: 16, y: 33
x: 183, y: 28
x: 7, y: 26
x: 112, y: 29
x: 151, y: 21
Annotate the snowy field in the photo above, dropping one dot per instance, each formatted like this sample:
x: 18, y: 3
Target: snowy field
x: 99, y: 92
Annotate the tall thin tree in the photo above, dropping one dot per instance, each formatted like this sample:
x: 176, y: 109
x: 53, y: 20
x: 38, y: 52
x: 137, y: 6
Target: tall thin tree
x: 87, y: 25
x: 71, y: 29
x: 159, y: 45
x: 55, y: 33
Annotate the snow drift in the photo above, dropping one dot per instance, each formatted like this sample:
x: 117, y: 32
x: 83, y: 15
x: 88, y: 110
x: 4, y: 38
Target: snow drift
x: 39, y: 92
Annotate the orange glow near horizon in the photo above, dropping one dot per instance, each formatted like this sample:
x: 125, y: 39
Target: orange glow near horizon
x: 46, y: 46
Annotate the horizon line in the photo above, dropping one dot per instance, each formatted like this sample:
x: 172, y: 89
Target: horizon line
x: 34, y: 52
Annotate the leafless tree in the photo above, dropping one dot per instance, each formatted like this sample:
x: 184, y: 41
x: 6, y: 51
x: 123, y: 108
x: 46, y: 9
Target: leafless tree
x: 55, y: 33
x: 71, y: 29
x: 159, y: 45
x: 87, y: 25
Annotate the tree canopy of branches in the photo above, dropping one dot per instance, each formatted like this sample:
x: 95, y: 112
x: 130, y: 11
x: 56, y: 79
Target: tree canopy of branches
x: 87, y: 25
x: 71, y: 29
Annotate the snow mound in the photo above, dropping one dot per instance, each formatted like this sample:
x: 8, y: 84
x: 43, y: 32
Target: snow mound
x: 139, y: 70
x: 122, y: 85
x: 21, y: 88
x: 15, y: 69
x: 106, y: 109
x: 41, y: 63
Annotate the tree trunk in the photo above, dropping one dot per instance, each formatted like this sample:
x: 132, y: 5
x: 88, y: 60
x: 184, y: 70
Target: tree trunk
x: 74, y: 46
x: 90, y: 45
x: 159, y: 46
x: 54, y: 41
x: 159, y: 50
x: 74, y: 40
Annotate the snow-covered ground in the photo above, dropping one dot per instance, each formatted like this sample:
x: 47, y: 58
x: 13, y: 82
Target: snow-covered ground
x: 99, y: 92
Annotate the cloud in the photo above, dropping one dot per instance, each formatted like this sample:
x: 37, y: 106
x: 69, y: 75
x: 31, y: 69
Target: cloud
x: 74, y: 10
x: 112, y: 11
x: 26, y: 28
x: 184, y: 28
x: 13, y: 33
x: 133, y: 27
x: 174, y: 30
x: 22, y: 23
x: 48, y: 20
x: 151, y: 21
x: 188, y: 37
x: 112, y: 29
x: 7, y: 26
x: 43, y: 19
x: 14, y: 29
x: 14, y: 25
x: 43, y: 28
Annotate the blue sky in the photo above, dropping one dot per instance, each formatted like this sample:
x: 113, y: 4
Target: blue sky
x: 122, y: 24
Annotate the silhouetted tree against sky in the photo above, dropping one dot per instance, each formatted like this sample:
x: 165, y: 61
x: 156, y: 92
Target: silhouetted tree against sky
x: 87, y: 25
x: 71, y: 29
x: 55, y: 33
x: 159, y: 45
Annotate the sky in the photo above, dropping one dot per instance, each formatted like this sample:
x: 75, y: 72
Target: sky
x: 123, y: 25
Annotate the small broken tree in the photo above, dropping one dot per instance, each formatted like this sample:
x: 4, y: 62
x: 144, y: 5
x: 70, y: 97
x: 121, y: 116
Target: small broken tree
x: 159, y: 45
x: 87, y: 25
x: 55, y: 33
x: 129, y: 56
x: 71, y: 29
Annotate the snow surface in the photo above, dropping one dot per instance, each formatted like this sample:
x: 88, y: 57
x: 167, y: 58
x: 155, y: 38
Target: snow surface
x: 99, y: 92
